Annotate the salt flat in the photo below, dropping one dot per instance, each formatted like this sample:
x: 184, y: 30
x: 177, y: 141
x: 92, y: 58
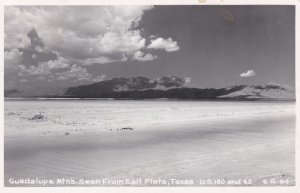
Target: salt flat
x: 170, y: 139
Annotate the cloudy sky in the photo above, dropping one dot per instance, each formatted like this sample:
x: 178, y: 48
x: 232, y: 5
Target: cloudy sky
x: 215, y: 46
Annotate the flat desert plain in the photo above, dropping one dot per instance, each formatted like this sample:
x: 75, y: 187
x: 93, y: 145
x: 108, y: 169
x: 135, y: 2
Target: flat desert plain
x: 150, y: 139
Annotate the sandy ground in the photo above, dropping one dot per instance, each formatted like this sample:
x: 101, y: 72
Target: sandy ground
x: 207, y: 143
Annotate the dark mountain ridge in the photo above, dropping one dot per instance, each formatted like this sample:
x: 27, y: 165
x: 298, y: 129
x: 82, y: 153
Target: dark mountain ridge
x: 164, y: 87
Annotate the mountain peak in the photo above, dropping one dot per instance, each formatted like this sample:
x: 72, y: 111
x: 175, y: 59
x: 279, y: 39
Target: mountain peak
x: 267, y: 91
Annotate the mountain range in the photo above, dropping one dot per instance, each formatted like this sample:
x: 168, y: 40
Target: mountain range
x: 163, y: 87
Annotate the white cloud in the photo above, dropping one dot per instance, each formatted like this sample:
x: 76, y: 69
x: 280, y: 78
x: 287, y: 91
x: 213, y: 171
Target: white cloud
x: 16, y: 27
x: 77, y: 74
x: 33, y: 70
x: 141, y: 56
x: 113, y: 42
x: 77, y: 32
x: 187, y: 80
x: 12, y: 58
x: 79, y: 36
x: 55, y: 64
x: 99, y: 78
x: 43, y: 68
x: 249, y: 73
x: 168, y: 44
x: 102, y: 60
x: 58, y: 70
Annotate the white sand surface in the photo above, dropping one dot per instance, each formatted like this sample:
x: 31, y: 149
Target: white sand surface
x: 170, y: 140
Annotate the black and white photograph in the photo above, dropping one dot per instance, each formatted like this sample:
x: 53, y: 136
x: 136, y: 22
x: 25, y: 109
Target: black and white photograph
x: 149, y: 95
